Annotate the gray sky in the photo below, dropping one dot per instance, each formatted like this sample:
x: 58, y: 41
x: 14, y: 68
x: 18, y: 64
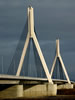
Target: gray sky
x: 53, y: 19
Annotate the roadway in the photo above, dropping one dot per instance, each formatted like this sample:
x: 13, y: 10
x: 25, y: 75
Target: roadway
x: 12, y: 79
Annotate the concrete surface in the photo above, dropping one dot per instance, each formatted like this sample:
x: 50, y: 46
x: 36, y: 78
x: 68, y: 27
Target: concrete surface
x: 12, y: 92
x: 65, y: 86
x: 34, y: 91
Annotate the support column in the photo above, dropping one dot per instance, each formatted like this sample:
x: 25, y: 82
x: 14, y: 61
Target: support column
x: 12, y: 92
x: 40, y: 90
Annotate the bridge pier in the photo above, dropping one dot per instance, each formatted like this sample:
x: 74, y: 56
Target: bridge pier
x: 65, y: 86
x: 28, y: 91
x: 40, y: 90
x: 11, y: 91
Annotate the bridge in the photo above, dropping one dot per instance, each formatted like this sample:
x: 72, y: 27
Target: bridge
x: 43, y: 85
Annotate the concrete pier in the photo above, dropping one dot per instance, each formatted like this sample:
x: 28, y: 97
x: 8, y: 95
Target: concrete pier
x: 12, y: 92
x: 29, y: 91
x: 41, y: 90
x: 65, y: 86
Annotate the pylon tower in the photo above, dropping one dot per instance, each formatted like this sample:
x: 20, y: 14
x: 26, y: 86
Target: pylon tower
x: 31, y: 35
x: 58, y: 55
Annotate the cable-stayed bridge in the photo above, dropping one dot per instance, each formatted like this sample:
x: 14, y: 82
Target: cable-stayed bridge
x: 18, y: 80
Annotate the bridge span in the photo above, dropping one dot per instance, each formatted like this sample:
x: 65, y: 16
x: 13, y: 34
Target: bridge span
x: 29, y: 87
x: 12, y: 79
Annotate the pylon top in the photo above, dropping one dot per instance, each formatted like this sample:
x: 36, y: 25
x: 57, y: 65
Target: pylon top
x: 30, y: 6
x: 30, y: 21
x: 57, y: 47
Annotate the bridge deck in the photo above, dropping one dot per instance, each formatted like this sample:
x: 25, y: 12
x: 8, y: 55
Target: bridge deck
x: 12, y: 79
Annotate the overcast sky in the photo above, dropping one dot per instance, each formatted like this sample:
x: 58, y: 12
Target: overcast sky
x: 53, y: 19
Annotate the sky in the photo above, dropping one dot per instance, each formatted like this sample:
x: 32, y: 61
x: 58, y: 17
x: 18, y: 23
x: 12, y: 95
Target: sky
x: 53, y: 19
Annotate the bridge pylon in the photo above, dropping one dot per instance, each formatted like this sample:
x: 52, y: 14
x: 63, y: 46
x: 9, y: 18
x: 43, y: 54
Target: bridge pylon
x: 31, y: 35
x: 58, y: 55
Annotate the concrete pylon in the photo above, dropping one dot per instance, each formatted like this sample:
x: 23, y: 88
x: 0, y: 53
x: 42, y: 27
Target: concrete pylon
x: 31, y: 35
x: 58, y: 55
